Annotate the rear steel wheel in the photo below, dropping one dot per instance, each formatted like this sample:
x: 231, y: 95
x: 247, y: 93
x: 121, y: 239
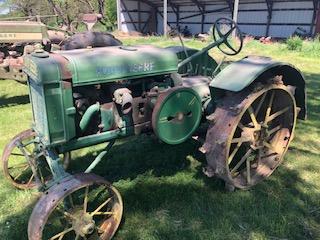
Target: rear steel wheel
x: 83, y: 206
x: 249, y: 135
x: 15, y: 165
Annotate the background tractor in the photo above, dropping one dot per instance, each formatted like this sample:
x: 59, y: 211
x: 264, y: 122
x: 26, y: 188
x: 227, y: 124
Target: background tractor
x: 85, y: 97
x: 19, y: 38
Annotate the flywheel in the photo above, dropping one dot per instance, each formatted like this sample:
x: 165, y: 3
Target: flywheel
x: 176, y: 115
x: 249, y: 134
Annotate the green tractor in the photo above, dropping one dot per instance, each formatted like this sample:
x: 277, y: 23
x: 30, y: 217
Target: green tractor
x: 85, y: 97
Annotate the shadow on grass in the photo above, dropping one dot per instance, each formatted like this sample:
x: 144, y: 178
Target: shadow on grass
x: 137, y: 155
x: 15, y: 227
x: 166, y: 197
x: 12, y: 101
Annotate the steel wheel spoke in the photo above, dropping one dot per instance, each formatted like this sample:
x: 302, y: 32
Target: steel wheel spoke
x: 17, y: 154
x: 85, y: 201
x: 71, y: 201
x: 234, y: 152
x: 240, y: 139
x: 103, y: 213
x: 24, y: 151
x: 21, y: 165
x: 61, y: 234
x: 260, y: 104
x: 100, y: 207
x: 273, y: 116
x: 65, y: 213
x: 269, y: 108
x: 241, y: 161
x: 273, y: 130
x: 41, y: 176
x: 30, y: 180
x: 253, y: 117
x: 259, y: 155
x: 19, y: 175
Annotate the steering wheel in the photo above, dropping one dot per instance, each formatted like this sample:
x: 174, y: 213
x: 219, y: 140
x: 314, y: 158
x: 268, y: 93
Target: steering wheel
x: 225, y: 28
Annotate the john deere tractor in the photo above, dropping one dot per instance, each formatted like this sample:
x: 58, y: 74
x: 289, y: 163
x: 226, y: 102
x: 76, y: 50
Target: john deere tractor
x: 85, y: 97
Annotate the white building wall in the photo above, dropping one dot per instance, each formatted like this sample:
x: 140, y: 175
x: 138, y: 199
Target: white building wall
x: 132, y: 6
x: 252, y: 17
x: 194, y: 23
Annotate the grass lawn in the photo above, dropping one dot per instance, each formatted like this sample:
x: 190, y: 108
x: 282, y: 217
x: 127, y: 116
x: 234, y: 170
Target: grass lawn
x: 165, y: 194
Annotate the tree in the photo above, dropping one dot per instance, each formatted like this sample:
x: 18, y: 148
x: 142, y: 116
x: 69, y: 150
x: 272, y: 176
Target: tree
x: 68, y: 11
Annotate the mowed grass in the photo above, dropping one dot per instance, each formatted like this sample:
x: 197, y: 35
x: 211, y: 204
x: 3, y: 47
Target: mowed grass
x: 165, y: 194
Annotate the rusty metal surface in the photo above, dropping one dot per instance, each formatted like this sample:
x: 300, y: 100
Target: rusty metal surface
x: 252, y: 138
x: 50, y: 200
x: 11, y: 68
x: 66, y: 74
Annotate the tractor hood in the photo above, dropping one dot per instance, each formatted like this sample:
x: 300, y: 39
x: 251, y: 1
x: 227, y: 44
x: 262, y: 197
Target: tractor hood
x: 107, y: 64
x: 99, y: 65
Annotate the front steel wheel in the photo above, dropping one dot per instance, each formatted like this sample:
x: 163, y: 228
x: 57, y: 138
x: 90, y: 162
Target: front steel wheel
x: 250, y: 134
x: 17, y: 168
x: 83, y: 206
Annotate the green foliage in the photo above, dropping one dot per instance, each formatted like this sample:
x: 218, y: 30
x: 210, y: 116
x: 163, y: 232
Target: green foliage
x: 111, y: 11
x: 71, y: 11
x: 294, y: 43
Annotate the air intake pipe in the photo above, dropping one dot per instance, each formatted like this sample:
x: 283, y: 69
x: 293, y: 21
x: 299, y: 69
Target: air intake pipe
x: 85, y: 120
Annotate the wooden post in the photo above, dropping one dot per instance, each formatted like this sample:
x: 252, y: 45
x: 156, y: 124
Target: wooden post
x: 317, y: 30
x: 139, y: 16
x: 156, y: 19
x: 315, y: 19
x: 235, y: 10
x: 235, y: 15
x: 203, y: 15
x: 119, y: 15
x: 178, y: 18
x: 270, y: 10
x: 165, y: 17
x: 230, y: 7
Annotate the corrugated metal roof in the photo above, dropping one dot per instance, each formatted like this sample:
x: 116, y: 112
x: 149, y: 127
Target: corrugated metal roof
x: 211, y: 2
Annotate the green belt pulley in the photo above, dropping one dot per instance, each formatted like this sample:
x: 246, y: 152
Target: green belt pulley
x: 176, y: 115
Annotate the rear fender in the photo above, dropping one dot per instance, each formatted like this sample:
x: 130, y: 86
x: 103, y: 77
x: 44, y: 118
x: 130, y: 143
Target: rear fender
x: 242, y: 74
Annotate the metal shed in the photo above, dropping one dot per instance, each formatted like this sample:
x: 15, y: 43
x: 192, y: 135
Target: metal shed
x: 276, y: 18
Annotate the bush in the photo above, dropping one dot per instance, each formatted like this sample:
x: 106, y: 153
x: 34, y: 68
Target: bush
x: 294, y: 43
